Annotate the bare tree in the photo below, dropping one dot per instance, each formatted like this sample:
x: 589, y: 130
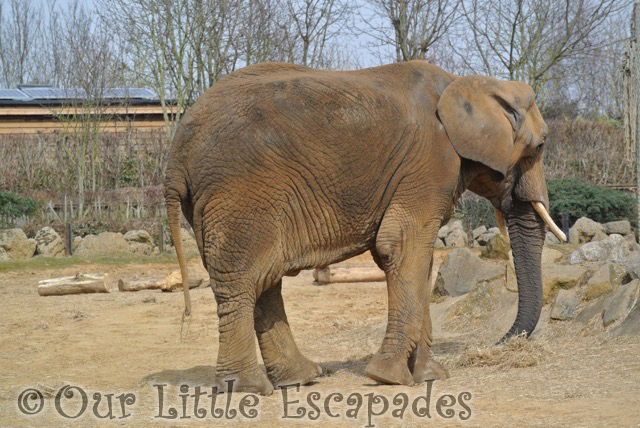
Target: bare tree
x: 526, y: 39
x: 412, y: 27
x: 20, y: 31
x: 315, y: 23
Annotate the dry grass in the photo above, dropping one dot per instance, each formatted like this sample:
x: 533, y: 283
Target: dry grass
x: 518, y: 352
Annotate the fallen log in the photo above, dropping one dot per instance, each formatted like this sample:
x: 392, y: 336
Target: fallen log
x: 331, y: 274
x: 139, y: 284
x: 78, y: 284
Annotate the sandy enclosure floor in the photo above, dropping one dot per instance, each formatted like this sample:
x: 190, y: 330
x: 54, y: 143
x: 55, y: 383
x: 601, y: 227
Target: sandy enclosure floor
x: 129, y: 342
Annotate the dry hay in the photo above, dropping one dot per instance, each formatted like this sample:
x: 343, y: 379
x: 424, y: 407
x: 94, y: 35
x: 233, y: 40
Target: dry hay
x: 518, y: 352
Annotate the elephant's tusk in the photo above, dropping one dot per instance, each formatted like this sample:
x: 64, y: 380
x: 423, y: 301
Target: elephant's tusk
x: 501, y: 223
x: 544, y: 215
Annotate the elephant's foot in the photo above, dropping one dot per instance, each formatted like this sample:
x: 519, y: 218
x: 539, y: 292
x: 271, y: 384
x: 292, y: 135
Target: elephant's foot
x: 389, y: 369
x: 252, y: 381
x: 301, y: 371
x: 429, y: 369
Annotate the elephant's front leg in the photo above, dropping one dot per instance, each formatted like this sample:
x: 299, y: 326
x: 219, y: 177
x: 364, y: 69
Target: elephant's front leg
x: 404, y: 248
x: 421, y: 362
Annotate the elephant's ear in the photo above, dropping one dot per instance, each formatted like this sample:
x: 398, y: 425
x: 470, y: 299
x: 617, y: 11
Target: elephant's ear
x: 482, y: 116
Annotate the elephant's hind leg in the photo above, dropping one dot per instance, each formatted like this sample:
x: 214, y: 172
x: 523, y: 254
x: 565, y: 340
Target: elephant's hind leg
x: 237, y: 359
x: 421, y: 362
x: 285, y: 363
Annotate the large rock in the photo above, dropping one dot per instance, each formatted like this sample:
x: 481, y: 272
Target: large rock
x: 140, y: 236
x: 478, y: 231
x: 439, y: 243
x: 140, y: 241
x: 614, y: 248
x: 549, y: 255
x: 462, y: 270
x: 497, y: 247
x: 592, y: 310
x: 443, y: 231
x: 551, y: 239
x: 621, y: 227
x: 16, y: 243
x: 631, y: 324
x: 189, y: 243
x: 4, y: 256
x: 620, y: 303
x: 457, y: 238
x: 485, y: 237
x: 555, y: 277
x: 49, y: 243
x: 586, y: 230
x: 104, y: 243
x: 565, y: 305
x: 609, y: 277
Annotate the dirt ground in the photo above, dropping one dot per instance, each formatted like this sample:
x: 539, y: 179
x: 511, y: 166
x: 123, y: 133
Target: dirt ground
x: 131, y: 342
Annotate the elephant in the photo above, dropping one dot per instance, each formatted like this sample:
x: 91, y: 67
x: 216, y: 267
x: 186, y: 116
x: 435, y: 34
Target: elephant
x: 280, y: 168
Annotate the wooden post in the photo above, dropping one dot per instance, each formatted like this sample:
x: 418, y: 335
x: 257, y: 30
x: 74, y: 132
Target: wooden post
x: 631, y: 93
x: 69, y: 239
x: 161, y: 241
x: 635, y: 55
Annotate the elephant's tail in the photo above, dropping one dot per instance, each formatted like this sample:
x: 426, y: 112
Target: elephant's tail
x: 172, y: 199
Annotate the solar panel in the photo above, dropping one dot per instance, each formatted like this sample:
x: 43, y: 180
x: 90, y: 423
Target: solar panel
x: 13, y: 94
x: 129, y: 93
x: 54, y: 93
x: 27, y: 93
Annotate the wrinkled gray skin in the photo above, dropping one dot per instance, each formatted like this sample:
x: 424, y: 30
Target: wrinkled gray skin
x: 280, y: 168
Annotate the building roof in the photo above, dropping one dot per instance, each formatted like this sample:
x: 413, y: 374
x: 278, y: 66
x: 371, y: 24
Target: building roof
x: 47, y: 95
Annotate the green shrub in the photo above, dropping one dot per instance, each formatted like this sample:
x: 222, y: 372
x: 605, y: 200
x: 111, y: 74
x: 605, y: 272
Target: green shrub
x: 581, y: 199
x: 14, y: 206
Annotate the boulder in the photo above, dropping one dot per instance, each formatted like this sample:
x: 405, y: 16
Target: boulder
x: 590, y: 311
x: 140, y: 236
x: 455, y: 225
x: 551, y: 239
x: 49, y: 243
x: 16, y: 243
x: 4, y: 256
x: 613, y: 248
x: 631, y: 239
x: 443, y: 232
x: 609, y: 277
x: 586, y: 230
x: 439, y: 243
x: 462, y: 270
x: 497, y: 247
x: 620, y: 303
x: 549, y: 255
x: 189, y: 243
x: 104, y: 243
x: 565, y: 305
x: 478, y: 231
x: 556, y: 277
x: 76, y: 243
x: 485, y: 237
x: 631, y: 324
x: 141, y: 248
x: 621, y: 227
x: 457, y: 238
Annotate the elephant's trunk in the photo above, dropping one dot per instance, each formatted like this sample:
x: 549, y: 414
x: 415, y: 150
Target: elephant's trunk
x: 527, y: 233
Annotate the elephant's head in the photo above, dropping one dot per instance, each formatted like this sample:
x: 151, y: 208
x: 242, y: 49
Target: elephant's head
x: 497, y: 128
